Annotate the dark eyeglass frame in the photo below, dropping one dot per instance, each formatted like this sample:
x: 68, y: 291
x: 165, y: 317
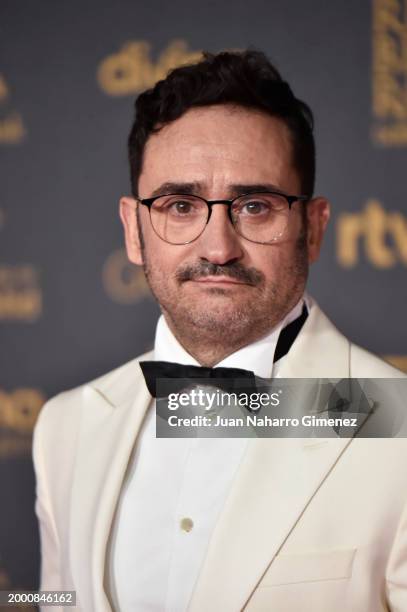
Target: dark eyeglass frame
x: 229, y: 203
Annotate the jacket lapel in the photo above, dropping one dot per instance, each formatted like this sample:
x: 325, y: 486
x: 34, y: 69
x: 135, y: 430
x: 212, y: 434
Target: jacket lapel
x: 276, y: 481
x: 113, y: 411
x: 319, y: 351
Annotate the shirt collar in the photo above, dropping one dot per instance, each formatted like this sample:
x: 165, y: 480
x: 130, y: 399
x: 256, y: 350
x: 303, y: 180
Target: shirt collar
x: 257, y: 356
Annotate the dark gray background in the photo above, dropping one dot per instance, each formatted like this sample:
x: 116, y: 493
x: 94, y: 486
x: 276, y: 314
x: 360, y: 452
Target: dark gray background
x: 59, y: 188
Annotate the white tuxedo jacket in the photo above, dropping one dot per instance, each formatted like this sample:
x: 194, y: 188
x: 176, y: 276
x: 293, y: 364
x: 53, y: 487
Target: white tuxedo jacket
x: 310, y: 525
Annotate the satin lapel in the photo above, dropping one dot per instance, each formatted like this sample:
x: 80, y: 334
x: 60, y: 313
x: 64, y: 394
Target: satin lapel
x: 276, y: 481
x: 106, y: 439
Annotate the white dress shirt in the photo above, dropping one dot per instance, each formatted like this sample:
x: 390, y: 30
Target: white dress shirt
x: 173, y: 493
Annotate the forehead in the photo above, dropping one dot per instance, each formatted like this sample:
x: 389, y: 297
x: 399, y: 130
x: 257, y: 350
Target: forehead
x: 220, y: 145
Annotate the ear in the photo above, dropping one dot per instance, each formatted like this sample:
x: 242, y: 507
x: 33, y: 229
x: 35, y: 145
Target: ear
x: 128, y: 216
x: 318, y: 212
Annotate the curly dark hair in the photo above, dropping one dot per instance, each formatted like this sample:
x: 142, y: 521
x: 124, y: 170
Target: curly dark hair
x: 245, y: 78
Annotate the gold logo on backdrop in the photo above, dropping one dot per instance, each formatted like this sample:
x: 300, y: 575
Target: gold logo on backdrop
x: 383, y: 235
x: 398, y: 361
x: 4, y: 91
x: 19, y: 410
x: 12, y: 129
x: 390, y: 72
x: 20, y: 293
x: 124, y: 282
x: 131, y: 69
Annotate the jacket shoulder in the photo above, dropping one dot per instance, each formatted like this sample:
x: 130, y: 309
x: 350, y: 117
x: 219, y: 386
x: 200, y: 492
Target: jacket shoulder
x: 365, y: 364
x: 331, y: 354
x: 62, y: 409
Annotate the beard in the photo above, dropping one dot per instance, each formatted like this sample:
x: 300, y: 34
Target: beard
x: 215, y: 317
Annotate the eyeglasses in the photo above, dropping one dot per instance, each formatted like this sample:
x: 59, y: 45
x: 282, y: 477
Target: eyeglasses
x: 259, y: 217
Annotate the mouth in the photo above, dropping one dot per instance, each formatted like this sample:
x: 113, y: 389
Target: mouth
x: 218, y: 280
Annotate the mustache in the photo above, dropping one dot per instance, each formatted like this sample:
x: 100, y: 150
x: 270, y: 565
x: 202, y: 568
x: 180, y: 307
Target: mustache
x: 188, y: 272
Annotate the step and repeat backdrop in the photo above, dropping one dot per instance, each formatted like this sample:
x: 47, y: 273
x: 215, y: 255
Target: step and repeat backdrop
x: 71, y: 305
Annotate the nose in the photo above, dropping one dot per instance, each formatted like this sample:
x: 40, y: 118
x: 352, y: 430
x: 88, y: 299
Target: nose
x: 219, y: 243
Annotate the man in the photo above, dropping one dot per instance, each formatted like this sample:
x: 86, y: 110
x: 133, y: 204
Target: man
x: 223, y: 219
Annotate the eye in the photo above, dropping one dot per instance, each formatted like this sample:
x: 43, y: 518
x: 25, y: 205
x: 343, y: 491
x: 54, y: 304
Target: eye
x: 178, y: 206
x: 254, y: 207
x: 260, y: 206
x: 181, y: 207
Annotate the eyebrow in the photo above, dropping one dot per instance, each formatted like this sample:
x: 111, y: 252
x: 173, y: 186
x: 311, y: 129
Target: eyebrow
x: 169, y: 187
x: 196, y: 188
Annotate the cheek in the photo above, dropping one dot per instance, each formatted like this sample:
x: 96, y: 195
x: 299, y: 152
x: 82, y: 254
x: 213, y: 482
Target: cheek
x: 267, y: 260
x: 163, y: 259
x: 274, y: 261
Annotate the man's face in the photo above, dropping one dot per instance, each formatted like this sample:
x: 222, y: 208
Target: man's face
x: 222, y: 287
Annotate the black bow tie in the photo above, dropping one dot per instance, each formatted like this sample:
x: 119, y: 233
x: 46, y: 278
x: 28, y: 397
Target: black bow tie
x: 226, y: 378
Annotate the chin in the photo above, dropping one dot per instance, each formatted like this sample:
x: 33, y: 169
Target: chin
x: 218, y: 318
